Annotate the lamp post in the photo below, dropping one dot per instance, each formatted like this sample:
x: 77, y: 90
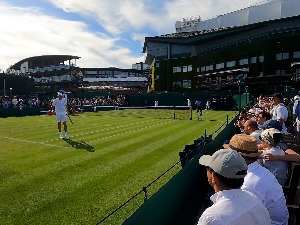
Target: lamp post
x: 10, y: 92
x: 240, y: 83
x: 4, y: 88
x: 247, y: 94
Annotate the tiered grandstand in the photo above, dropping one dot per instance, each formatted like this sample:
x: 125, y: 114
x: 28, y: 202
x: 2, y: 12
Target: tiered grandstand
x: 260, y: 43
x: 50, y: 72
x: 54, y: 72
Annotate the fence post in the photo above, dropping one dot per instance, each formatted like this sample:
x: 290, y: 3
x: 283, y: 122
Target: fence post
x: 204, y: 146
x: 174, y: 112
x: 227, y: 120
x: 145, y: 194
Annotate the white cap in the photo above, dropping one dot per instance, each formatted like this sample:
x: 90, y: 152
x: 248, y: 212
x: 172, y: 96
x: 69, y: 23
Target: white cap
x: 226, y: 162
x: 251, y: 111
x: 296, y: 97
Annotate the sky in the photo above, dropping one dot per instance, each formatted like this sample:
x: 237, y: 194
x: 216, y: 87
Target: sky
x: 104, y: 33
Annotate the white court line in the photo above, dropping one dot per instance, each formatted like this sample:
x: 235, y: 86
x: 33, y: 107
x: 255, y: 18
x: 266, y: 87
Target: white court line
x: 104, y: 130
x: 130, y: 131
x: 52, y: 145
x: 33, y: 142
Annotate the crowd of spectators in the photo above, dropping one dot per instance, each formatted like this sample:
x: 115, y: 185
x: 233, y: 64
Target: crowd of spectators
x: 260, y: 136
x: 19, y: 102
x: 119, y: 100
x: 30, y: 101
x: 269, y: 121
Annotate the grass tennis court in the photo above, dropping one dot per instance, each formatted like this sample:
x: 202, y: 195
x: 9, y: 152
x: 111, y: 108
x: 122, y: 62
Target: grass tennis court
x: 110, y: 156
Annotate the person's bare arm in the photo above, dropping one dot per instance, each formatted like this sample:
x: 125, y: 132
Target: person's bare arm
x: 290, y: 155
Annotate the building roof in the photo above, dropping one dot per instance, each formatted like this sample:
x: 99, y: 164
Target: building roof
x: 191, y: 38
x: 44, y: 60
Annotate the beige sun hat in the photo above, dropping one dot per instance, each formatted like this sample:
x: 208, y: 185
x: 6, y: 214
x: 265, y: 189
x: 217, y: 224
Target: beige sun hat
x: 245, y: 145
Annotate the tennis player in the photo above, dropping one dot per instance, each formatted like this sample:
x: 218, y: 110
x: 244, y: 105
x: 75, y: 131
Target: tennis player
x: 61, y: 110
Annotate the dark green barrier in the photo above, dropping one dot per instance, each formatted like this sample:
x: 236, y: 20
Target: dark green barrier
x: 180, y: 200
x: 16, y: 112
x: 171, y: 98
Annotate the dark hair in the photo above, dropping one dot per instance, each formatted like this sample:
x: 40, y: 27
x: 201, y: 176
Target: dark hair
x: 243, y: 118
x: 266, y: 115
x: 232, y: 183
x: 253, y: 124
x: 277, y: 137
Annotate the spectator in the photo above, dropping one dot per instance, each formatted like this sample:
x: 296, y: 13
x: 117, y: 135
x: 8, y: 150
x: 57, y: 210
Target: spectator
x: 279, y: 112
x: 251, y: 128
x: 270, y: 139
x: 239, y: 124
x: 259, y: 180
x: 251, y: 114
x: 14, y: 102
x: 262, y: 119
x: 226, y: 170
x: 243, y: 113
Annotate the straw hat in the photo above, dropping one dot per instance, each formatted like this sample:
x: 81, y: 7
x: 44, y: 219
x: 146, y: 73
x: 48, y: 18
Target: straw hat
x: 245, y: 145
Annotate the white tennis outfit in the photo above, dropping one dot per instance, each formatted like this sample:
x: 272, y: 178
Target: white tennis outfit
x: 60, y: 109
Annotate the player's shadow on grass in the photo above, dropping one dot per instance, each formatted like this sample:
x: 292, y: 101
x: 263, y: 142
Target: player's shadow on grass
x: 80, y: 145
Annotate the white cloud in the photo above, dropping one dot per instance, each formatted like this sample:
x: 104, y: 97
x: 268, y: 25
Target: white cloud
x: 32, y: 31
x: 29, y: 32
x: 117, y: 16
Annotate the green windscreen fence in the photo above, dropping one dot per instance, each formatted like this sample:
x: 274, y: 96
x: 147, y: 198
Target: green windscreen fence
x: 219, y: 100
x: 233, y: 102
x: 181, y: 200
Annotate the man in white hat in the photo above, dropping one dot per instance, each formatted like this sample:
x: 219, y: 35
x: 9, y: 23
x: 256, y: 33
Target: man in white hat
x: 61, y: 110
x: 226, y: 170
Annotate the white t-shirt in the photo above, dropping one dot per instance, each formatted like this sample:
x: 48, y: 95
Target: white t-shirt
x: 256, y: 134
x: 281, y: 112
x: 60, y: 105
x: 278, y: 168
x: 235, y: 206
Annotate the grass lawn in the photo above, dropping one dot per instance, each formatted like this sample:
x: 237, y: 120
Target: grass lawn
x: 111, y: 155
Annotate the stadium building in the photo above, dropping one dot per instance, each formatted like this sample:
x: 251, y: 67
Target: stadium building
x: 50, y: 72
x: 54, y: 72
x: 117, y: 78
x: 256, y: 47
